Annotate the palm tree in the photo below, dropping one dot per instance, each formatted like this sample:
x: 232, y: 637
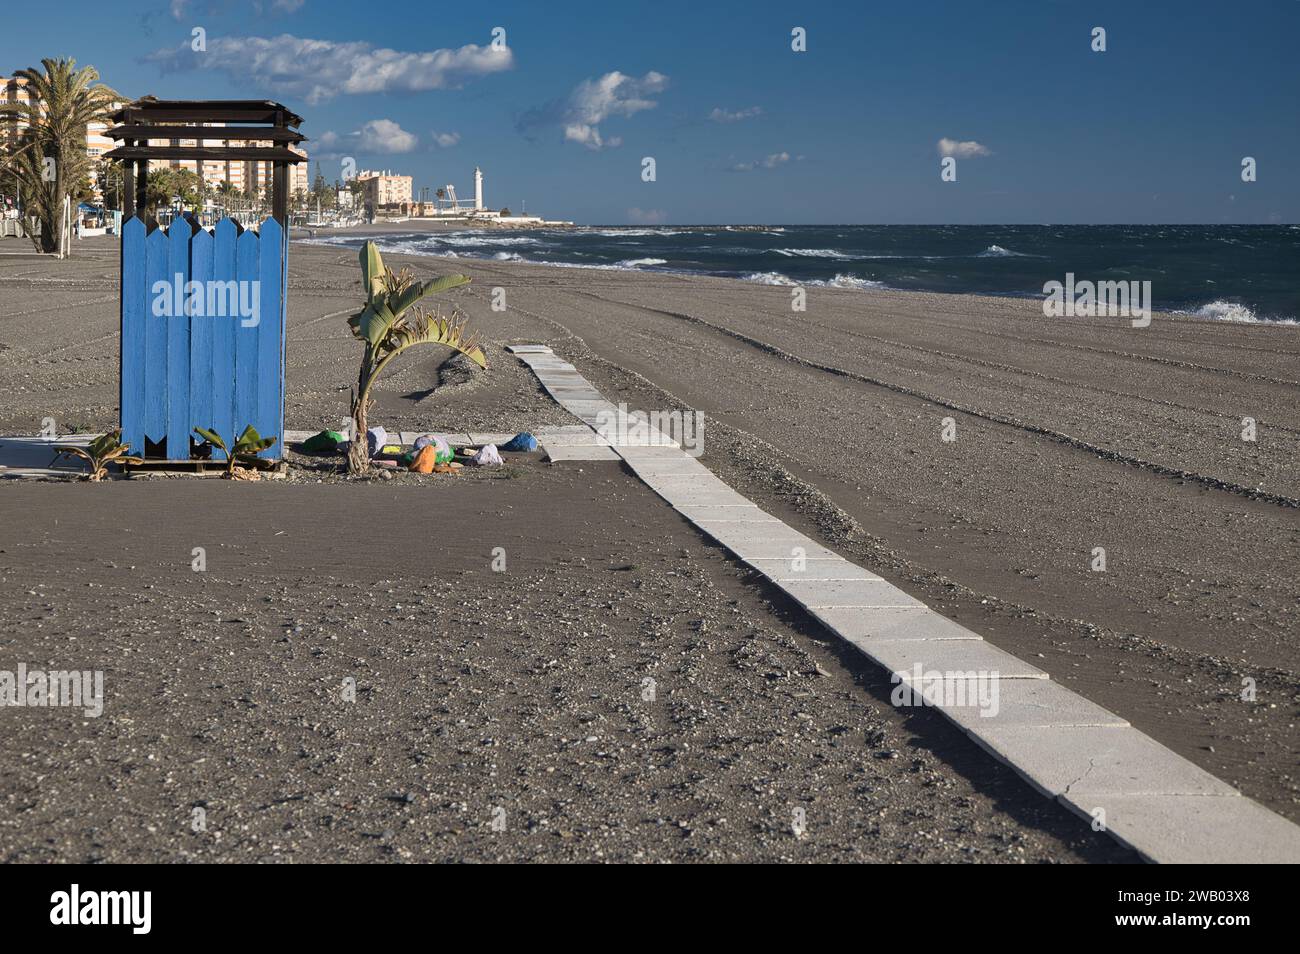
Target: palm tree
x: 49, y: 153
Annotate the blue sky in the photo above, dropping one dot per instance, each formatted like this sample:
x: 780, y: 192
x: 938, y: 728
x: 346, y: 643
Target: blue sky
x: 1043, y: 129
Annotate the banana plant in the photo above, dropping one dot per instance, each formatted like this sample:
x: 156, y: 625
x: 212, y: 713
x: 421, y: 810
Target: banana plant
x: 102, y: 451
x: 392, y: 321
x: 247, y: 447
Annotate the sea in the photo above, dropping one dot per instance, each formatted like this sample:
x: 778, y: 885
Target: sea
x: 1243, y: 273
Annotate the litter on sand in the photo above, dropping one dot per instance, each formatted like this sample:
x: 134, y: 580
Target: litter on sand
x: 486, y: 457
x: 520, y: 443
x: 322, y: 442
x: 439, y: 444
x: 376, y: 438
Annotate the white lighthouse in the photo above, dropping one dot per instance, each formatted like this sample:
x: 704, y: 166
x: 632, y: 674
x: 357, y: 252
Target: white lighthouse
x: 478, y: 189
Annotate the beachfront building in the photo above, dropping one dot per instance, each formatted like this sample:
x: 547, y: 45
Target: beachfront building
x: 384, y: 190
x: 248, y: 177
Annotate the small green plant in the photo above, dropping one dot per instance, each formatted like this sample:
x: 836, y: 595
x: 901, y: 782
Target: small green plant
x: 102, y: 451
x: 246, y: 449
x: 391, y: 322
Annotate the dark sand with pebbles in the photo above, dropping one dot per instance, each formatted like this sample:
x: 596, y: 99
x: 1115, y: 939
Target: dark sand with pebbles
x: 524, y: 690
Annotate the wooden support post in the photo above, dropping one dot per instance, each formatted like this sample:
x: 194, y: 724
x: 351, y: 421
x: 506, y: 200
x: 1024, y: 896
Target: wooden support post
x: 280, y: 188
x: 128, y: 186
x: 141, y: 186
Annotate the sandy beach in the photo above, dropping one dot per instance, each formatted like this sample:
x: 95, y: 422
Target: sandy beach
x: 1071, y: 434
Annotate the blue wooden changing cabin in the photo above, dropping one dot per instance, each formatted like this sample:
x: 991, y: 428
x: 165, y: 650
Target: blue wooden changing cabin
x: 203, y: 310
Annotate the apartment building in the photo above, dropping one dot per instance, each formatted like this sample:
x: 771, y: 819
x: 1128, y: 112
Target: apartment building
x: 383, y: 189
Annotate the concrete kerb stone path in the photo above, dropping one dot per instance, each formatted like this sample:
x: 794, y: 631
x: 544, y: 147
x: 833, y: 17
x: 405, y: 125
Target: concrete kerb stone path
x: 1144, y: 795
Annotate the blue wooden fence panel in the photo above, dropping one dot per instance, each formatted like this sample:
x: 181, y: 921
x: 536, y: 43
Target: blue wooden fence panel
x: 224, y: 269
x: 201, y: 368
x: 186, y: 364
x: 269, y: 404
x: 246, y: 370
x: 155, y: 338
x: 135, y: 314
x: 179, y: 237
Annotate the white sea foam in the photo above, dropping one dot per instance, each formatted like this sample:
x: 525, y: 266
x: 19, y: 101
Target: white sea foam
x: 814, y: 253
x: 850, y: 281
x: 1220, y: 310
x: 637, y: 262
x: 628, y: 233
x: 997, y: 251
x: 769, y: 278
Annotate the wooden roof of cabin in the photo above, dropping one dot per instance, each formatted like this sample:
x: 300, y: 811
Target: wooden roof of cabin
x: 262, y: 111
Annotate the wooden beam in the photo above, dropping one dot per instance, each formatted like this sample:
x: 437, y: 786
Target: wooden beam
x: 220, y: 133
x: 233, y: 110
x: 253, y: 153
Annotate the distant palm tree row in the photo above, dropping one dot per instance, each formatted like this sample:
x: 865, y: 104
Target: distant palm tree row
x: 46, y: 145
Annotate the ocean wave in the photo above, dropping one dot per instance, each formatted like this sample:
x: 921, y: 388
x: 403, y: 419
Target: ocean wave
x: 1220, y: 310
x: 637, y: 262
x: 769, y: 278
x: 997, y: 251
x: 839, y: 281
x: 629, y: 233
x: 849, y: 281
x: 469, y: 241
x: 814, y: 253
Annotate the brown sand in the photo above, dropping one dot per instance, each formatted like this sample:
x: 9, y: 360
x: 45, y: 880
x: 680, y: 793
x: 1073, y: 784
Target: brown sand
x: 1071, y: 434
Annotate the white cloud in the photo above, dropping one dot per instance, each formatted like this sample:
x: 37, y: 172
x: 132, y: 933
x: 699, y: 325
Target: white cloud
x: 445, y: 140
x: 962, y: 150
x: 384, y: 135
x: 317, y: 70
x: 595, y: 100
x: 768, y: 162
x: 589, y: 136
x: 720, y: 115
x: 647, y: 216
x: 178, y: 9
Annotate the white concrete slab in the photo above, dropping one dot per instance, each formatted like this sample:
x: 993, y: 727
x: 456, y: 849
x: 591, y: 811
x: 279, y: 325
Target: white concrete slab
x: 763, y: 541
x: 668, y: 465
x: 35, y: 456
x: 724, y: 514
x: 1026, y: 703
x: 839, y: 569
x: 1194, y: 829
x: 886, y: 625
x: 551, y: 430
x: 635, y: 454
x: 528, y: 349
x: 700, y: 497
x: 479, y: 438
x: 948, y: 656
x: 1090, y: 762
x: 580, y: 452
x: 817, y: 594
x: 589, y: 439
